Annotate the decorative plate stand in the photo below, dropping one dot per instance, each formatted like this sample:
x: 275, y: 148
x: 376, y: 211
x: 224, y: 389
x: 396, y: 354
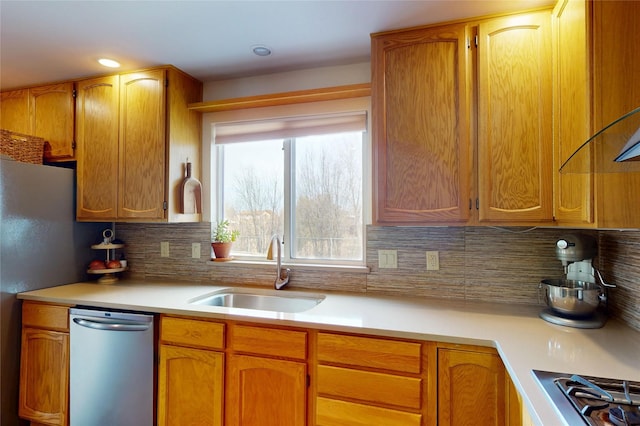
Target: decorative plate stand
x: 108, y: 275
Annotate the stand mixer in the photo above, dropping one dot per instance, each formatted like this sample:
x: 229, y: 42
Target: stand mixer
x: 576, y: 299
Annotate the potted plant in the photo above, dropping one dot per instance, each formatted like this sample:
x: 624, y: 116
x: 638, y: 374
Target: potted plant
x: 222, y: 238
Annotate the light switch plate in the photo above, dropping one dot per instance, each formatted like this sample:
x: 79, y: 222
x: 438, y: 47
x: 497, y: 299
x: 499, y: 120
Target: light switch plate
x: 387, y: 259
x: 164, y: 249
x: 195, y: 250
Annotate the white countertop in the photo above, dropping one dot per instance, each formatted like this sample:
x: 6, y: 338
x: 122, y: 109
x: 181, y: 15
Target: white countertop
x: 524, y: 341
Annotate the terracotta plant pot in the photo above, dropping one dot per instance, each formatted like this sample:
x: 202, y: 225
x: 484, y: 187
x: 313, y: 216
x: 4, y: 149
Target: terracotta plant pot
x: 221, y: 250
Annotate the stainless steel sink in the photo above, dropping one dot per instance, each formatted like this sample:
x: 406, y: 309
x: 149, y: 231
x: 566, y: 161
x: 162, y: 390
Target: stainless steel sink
x: 264, y: 300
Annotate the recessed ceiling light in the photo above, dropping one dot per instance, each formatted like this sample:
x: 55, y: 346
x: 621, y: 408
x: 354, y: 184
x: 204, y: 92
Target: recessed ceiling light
x: 109, y: 63
x: 261, y: 50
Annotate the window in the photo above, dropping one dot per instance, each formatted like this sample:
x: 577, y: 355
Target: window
x: 301, y: 177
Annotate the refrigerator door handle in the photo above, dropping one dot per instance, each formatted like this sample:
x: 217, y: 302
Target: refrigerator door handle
x: 114, y: 326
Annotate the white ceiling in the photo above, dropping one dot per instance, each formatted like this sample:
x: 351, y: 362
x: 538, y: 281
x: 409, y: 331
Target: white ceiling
x: 47, y: 41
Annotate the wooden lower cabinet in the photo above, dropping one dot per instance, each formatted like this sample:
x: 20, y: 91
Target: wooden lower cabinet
x: 473, y: 388
x: 265, y: 392
x: 362, y: 380
x: 243, y: 374
x: 266, y: 382
x: 190, y: 372
x: 44, y: 364
x: 190, y: 386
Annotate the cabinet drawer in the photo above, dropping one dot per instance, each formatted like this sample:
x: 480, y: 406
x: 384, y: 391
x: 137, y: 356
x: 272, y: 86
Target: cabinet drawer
x: 50, y: 317
x: 188, y: 332
x: 269, y: 341
x: 369, y: 352
x: 330, y: 412
x: 370, y: 386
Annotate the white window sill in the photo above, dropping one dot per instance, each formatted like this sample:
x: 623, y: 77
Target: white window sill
x: 295, y: 266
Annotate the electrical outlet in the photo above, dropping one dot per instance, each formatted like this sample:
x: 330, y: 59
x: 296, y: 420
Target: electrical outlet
x: 433, y: 261
x: 195, y: 250
x: 388, y: 259
x: 164, y: 249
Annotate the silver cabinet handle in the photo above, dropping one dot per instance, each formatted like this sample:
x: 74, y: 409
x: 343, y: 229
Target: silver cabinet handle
x: 110, y: 325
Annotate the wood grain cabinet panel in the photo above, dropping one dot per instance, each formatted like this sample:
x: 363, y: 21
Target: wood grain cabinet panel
x: 420, y: 109
x: 190, y: 387
x: 370, y: 386
x: 369, y: 380
x: 471, y: 388
x: 135, y: 135
x: 14, y: 111
x: 591, y: 92
x: 52, y: 110
x: 44, y: 364
x: 331, y: 412
x: 274, y: 342
x: 515, y: 127
x: 190, y: 332
x: 572, y: 121
x: 97, y: 103
x: 43, y: 111
x: 141, y: 158
x: 191, y: 372
x: 369, y: 352
x: 616, y: 91
x: 265, y: 392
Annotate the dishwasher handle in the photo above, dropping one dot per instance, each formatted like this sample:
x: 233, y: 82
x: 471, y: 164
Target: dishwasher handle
x: 114, y: 326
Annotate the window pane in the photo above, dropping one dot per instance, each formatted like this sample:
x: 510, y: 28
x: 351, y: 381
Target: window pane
x: 327, y: 202
x: 253, y: 193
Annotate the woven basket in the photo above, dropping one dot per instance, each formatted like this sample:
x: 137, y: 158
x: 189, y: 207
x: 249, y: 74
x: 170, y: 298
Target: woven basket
x: 23, y: 148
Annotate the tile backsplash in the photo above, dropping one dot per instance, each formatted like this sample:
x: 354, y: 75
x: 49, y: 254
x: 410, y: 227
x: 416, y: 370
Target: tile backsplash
x: 489, y: 264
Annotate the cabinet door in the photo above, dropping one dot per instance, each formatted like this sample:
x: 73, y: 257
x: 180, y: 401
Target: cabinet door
x: 44, y: 376
x: 97, y: 150
x: 14, y: 111
x: 141, y: 189
x: 421, y: 126
x: 471, y: 388
x: 574, y: 191
x: 615, y: 92
x: 52, y: 116
x: 190, y: 386
x: 265, y: 392
x: 515, y: 145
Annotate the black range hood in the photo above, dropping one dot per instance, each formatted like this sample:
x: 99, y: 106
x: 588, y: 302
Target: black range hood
x: 614, y: 149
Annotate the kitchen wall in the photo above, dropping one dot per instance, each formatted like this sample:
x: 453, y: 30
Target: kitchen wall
x: 484, y: 264
x: 476, y: 263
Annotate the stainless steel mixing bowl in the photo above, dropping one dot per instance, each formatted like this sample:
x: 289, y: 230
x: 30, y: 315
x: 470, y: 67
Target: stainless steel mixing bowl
x: 571, y: 297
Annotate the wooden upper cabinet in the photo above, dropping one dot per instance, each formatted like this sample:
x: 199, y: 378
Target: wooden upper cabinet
x: 46, y: 112
x: 572, y: 120
x: 97, y: 138
x: 142, y: 145
x: 135, y: 134
x: 52, y: 117
x: 14, y: 111
x: 515, y: 140
x: 421, y: 144
x: 615, y: 92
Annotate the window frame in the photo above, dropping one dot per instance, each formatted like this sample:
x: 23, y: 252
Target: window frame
x: 339, y: 106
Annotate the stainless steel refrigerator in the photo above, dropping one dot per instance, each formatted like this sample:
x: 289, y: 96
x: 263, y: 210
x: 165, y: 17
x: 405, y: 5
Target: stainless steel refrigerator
x: 41, y: 245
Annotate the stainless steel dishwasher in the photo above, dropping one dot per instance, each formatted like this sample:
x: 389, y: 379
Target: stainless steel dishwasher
x: 112, y: 368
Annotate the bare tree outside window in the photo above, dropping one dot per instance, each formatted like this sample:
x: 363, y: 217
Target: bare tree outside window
x: 326, y: 195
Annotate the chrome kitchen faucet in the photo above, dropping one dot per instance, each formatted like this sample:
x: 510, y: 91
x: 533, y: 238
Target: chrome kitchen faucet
x: 280, y: 280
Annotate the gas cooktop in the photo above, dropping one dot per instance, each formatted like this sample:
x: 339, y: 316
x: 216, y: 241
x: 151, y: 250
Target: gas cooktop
x: 594, y: 401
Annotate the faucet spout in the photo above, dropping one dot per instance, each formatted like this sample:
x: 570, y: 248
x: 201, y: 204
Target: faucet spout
x: 282, y: 276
